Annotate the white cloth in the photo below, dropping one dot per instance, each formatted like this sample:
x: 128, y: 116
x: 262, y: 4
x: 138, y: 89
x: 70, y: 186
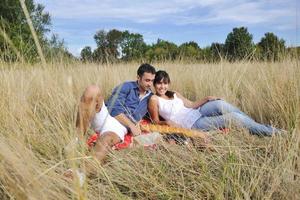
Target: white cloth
x: 174, y: 110
x: 103, y: 123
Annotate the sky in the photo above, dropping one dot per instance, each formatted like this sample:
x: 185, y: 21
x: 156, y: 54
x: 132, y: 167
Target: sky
x: 178, y: 21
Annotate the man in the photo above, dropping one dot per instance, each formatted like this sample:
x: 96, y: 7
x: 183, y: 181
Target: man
x: 126, y: 107
x: 92, y: 111
x: 128, y: 102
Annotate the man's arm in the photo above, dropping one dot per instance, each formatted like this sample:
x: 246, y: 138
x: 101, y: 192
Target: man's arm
x: 134, y: 128
x: 117, y: 107
x: 116, y: 102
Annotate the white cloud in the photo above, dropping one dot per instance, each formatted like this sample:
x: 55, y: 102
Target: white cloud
x: 276, y: 15
x: 252, y: 13
x: 259, y: 12
x: 178, y: 12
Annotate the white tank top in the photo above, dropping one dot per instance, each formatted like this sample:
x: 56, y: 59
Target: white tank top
x: 103, y: 122
x: 174, y: 110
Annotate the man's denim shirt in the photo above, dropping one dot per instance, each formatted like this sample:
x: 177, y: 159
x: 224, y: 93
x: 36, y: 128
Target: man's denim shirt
x: 125, y: 99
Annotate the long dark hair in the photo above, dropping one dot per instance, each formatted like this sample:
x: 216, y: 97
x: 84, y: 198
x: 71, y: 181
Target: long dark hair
x: 163, y: 76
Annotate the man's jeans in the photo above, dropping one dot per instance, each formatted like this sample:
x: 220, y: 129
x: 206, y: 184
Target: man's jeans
x: 219, y: 114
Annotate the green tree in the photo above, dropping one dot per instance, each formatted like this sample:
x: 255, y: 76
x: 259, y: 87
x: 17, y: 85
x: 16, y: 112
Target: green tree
x: 55, y: 49
x: 162, y: 50
x: 86, y: 54
x: 101, y: 52
x: 217, y: 52
x: 271, y: 47
x: 206, y: 54
x: 108, y: 44
x: 293, y: 52
x: 189, y: 51
x: 15, y: 34
x: 238, y: 44
x: 114, y: 39
x: 133, y: 46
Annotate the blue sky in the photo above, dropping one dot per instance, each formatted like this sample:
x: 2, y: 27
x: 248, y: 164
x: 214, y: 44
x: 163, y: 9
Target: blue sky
x: 202, y: 21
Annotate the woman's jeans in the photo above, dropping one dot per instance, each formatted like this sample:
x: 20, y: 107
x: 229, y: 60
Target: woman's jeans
x: 218, y: 114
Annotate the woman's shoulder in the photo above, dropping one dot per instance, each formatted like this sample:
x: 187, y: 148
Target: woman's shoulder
x: 153, y: 97
x: 179, y: 96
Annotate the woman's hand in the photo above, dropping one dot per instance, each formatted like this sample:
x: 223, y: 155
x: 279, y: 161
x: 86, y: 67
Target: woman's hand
x: 201, y: 102
x: 212, y: 98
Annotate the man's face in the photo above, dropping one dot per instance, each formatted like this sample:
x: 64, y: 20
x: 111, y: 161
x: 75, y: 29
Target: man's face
x: 145, y: 82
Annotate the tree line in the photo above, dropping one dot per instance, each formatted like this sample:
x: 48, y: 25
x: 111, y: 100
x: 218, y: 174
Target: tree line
x: 115, y: 45
x: 17, y: 42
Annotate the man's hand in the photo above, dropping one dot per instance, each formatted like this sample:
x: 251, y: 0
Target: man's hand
x: 135, y: 130
x: 123, y: 119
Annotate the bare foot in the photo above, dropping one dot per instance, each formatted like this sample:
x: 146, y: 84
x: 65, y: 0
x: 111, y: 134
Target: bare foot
x: 70, y: 175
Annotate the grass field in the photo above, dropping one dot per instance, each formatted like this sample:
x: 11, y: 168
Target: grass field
x: 38, y: 109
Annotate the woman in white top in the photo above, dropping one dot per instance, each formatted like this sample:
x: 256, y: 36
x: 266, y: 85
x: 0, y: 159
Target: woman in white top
x: 205, y: 114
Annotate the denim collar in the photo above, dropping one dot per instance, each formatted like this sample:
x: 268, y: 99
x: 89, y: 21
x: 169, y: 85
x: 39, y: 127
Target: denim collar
x: 136, y: 87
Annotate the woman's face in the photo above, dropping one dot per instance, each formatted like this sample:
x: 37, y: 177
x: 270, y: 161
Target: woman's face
x: 161, y: 87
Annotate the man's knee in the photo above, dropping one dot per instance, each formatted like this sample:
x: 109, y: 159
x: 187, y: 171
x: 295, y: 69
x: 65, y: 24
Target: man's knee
x: 92, y: 98
x: 92, y: 92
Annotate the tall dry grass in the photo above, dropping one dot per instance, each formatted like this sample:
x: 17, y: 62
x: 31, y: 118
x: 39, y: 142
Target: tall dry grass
x: 38, y: 107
